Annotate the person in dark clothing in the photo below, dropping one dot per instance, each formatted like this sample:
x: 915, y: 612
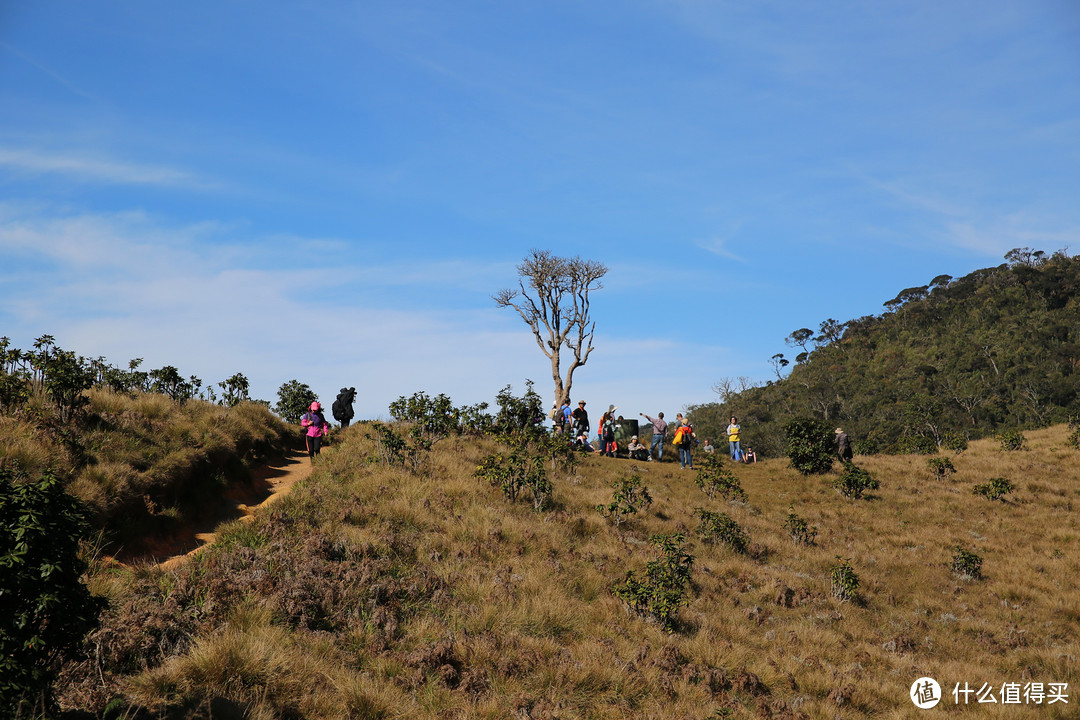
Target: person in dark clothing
x: 581, y: 419
x: 342, y: 407
x: 843, y: 446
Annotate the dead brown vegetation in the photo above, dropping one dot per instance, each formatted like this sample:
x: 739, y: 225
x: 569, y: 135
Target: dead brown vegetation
x: 371, y: 592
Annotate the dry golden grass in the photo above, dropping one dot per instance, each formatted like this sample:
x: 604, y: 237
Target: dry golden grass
x: 525, y: 624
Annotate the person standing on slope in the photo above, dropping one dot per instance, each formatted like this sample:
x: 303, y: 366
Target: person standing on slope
x: 659, y: 429
x: 684, y: 436
x: 316, y: 426
x: 733, y: 439
x: 342, y: 407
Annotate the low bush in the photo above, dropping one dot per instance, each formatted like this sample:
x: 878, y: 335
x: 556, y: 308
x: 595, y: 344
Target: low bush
x: 1011, y: 440
x: 855, y: 481
x: 956, y: 442
x: 994, y: 488
x: 718, y: 527
x: 844, y: 581
x: 941, y: 467
x: 800, y: 531
x: 714, y: 477
x: 966, y: 564
x: 630, y: 496
x: 661, y: 589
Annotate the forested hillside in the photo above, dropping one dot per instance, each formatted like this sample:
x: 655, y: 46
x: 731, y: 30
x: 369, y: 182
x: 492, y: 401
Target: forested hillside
x: 956, y: 358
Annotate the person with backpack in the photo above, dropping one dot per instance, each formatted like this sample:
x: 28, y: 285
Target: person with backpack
x: 342, y: 406
x: 843, y: 446
x: 684, y: 436
x: 316, y: 428
x: 607, y: 432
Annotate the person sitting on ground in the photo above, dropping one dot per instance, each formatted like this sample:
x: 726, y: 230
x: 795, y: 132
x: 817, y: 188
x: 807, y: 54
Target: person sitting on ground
x: 749, y: 456
x: 582, y: 442
x: 638, y: 451
x: 708, y: 446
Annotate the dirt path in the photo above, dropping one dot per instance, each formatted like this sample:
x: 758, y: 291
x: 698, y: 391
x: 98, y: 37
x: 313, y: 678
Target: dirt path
x: 270, y: 483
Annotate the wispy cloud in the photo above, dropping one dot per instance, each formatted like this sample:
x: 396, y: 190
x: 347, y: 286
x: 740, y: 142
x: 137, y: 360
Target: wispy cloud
x: 86, y: 167
x: 125, y: 286
x: 718, y: 246
x: 46, y: 70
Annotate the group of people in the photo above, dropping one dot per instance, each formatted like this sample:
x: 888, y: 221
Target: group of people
x: 574, y: 423
x: 314, y: 421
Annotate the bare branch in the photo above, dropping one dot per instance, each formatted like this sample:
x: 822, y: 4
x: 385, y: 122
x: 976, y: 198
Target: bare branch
x: 553, y: 300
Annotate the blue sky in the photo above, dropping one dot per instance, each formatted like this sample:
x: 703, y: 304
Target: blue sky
x: 332, y: 191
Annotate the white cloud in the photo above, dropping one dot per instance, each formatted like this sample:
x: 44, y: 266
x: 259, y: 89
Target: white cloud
x: 96, y: 168
x: 123, y: 286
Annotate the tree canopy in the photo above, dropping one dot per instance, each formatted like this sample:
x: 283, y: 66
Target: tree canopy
x: 995, y: 349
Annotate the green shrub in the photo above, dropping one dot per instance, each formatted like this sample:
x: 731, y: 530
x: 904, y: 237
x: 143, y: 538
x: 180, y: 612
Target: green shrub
x: 994, y: 489
x: 718, y: 527
x: 1011, y: 440
x: 941, y: 467
x: 845, y: 583
x: 516, y: 471
x: 800, y: 531
x: 294, y: 399
x: 917, y: 445
x: 715, y: 477
x: 810, y: 445
x: 956, y: 442
x: 45, y: 609
x: 967, y: 564
x: 630, y: 496
x: 661, y: 589
x: 854, y: 481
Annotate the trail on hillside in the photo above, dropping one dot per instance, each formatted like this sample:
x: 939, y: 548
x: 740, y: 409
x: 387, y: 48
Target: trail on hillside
x: 270, y: 483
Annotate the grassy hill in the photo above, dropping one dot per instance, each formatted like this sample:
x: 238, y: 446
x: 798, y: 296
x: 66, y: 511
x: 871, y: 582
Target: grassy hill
x: 376, y: 592
x: 959, y: 357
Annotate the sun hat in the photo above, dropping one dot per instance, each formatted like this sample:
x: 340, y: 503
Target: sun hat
x: 315, y: 406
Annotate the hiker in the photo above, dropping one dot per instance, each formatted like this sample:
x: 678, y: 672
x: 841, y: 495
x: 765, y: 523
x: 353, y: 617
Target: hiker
x: 684, y: 436
x: 749, y: 456
x: 567, y: 416
x: 581, y: 419
x: 708, y: 446
x: 733, y: 439
x: 607, y: 430
x: 638, y: 451
x: 582, y: 441
x: 316, y: 426
x: 342, y: 407
x: 843, y: 446
x: 659, y: 429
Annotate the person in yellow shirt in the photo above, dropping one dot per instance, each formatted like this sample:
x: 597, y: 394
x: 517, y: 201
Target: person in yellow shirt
x: 733, y: 439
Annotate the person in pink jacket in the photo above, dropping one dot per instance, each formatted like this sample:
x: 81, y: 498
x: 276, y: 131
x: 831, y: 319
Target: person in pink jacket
x: 317, y: 428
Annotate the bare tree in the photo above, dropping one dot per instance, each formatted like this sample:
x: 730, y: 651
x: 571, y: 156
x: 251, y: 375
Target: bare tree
x: 553, y: 300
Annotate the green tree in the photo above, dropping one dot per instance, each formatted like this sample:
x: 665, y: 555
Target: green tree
x: 234, y: 390
x: 294, y: 399
x: 45, y: 609
x: 809, y: 445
